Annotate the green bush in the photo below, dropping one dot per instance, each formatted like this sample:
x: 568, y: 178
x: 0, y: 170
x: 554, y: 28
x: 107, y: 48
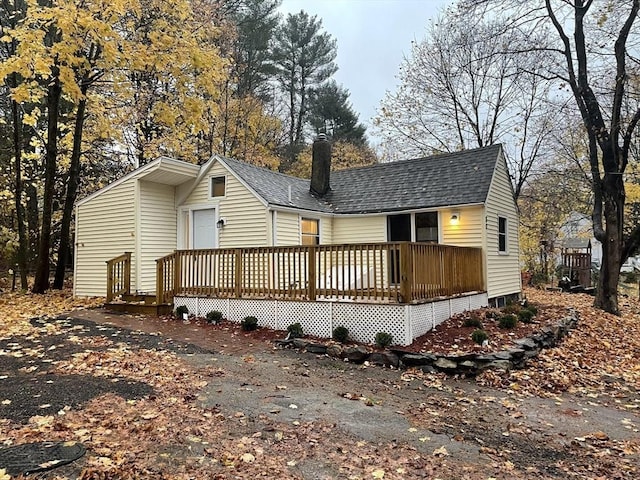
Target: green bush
x: 214, y: 317
x: 384, y: 339
x: 249, y: 323
x: 181, y: 310
x: 631, y: 277
x: 479, y: 336
x: 525, y: 315
x: 295, y: 330
x: 533, y: 309
x: 472, y: 321
x: 341, y: 334
x: 507, y: 321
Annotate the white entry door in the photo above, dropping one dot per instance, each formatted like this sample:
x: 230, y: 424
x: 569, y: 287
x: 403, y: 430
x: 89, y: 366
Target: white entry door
x: 204, y: 228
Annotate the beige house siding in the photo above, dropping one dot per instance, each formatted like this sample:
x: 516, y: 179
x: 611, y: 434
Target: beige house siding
x: 326, y: 230
x: 287, y: 228
x: 348, y: 229
x: 105, y: 228
x: 157, y: 229
x: 503, y: 269
x: 468, y: 231
x: 244, y: 214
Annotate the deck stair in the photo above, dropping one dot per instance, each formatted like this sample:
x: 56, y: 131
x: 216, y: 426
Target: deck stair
x: 138, y: 304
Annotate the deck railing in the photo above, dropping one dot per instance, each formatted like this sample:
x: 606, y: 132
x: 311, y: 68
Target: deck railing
x: 118, y: 276
x: 395, y: 272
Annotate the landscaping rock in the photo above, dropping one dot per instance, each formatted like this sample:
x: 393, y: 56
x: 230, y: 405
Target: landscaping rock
x: 526, y: 343
x: 384, y: 358
x: 356, y: 354
x: 416, y: 359
x: 334, y: 351
x: 500, y: 365
x: 316, y: 348
x: 300, y: 343
x: 445, y: 364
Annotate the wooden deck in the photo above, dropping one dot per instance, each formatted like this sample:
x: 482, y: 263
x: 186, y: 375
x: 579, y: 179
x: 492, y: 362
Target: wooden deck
x: 395, y: 272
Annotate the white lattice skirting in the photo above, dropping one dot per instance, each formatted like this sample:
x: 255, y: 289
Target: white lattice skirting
x: 364, y: 320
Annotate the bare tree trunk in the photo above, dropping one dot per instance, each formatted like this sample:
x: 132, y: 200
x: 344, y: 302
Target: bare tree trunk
x: 17, y: 151
x: 41, y: 283
x: 72, y: 190
x: 614, y: 199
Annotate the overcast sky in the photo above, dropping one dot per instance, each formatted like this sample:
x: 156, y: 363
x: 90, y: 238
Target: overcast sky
x: 373, y: 36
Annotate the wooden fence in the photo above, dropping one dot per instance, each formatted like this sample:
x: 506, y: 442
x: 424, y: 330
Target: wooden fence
x: 396, y: 272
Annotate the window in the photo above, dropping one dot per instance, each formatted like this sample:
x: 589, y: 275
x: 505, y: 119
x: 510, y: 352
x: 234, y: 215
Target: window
x: 310, y: 229
x: 502, y: 235
x: 427, y: 227
x: 218, y: 187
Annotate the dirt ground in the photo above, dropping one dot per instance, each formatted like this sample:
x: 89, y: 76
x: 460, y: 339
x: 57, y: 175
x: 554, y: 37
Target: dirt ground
x: 154, y: 398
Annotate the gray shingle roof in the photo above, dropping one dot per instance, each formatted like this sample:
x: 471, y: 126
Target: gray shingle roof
x: 459, y: 178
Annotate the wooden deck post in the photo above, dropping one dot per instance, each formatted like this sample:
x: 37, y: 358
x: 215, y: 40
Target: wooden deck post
x: 311, y: 285
x: 127, y: 273
x: 159, y: 281
x: 238, y: 273
x: 406, y: 273
x: 177, y: 281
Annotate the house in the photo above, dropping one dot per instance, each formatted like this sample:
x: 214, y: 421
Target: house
x: 454, y: 206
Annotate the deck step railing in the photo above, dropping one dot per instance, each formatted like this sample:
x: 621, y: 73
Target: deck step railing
x: 394, y: 272
x: 119, y: 276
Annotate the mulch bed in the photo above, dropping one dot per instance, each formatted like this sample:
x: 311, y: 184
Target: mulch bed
x: 450, y: 337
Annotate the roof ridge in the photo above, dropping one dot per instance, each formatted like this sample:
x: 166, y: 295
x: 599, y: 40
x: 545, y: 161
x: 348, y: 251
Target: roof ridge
x: 273, y: 172
x: 416, y: 159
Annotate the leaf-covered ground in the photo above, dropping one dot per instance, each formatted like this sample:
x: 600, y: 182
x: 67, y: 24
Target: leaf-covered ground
x: 179, y: 410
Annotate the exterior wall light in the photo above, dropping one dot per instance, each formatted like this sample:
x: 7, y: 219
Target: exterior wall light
x: 221, y: 223
x: 455, y: 218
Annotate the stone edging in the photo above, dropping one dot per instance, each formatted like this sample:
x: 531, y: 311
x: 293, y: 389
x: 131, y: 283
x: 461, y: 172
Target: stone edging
x: 467, y: 364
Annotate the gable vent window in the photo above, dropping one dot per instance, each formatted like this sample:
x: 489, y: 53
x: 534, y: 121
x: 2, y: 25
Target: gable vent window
x: 218, y: 187
x: 502, y: 235
x: 310, y: 229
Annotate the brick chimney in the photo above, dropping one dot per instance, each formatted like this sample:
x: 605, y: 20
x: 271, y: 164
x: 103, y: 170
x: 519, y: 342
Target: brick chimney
x: 321, y: 165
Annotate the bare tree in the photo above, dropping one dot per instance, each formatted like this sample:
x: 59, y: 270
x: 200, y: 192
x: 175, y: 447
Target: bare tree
x: 594, y: 47
x: 458, y: 92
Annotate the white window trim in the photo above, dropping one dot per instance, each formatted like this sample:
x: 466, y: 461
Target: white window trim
x: 181, y: 242
x: 506, y: 236
x: 210, y: 183
x: 310, y: 217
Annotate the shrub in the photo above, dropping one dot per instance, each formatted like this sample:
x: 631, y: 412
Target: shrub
x: 214, y: 317
x: 383, y: 339
x: 511, y: 309
x: 472, y: 321
x: 249, y: 323
x: 479, y: 336
x: 631, y: 277
x: 533, y: 309
x: 295, y: 330
x: 181, y: 310
x: 341, y: 334
x: 507, y: 321
x: 525, y: 315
